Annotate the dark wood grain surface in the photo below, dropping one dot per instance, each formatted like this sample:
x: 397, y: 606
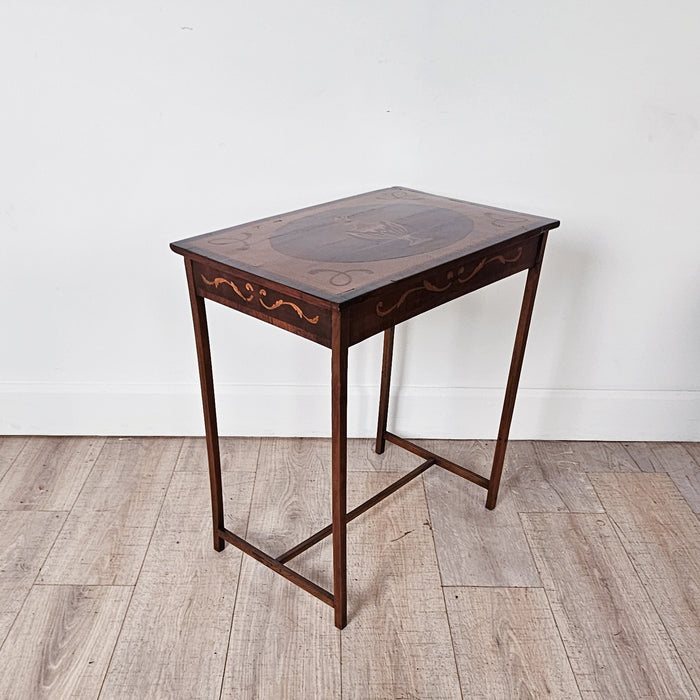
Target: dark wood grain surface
x: 340, y: 250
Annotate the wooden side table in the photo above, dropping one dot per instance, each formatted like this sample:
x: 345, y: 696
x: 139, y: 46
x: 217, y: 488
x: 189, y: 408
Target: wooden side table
x: 336, y: 274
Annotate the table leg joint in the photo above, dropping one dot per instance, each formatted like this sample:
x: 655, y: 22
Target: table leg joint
x: 447, y: 464
x: 277, y: 566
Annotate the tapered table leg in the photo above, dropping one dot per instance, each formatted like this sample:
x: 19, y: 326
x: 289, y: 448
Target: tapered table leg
x: 384, y: 389
x: 516, y: 365
x: 206, y: 380
x: 339, y: 399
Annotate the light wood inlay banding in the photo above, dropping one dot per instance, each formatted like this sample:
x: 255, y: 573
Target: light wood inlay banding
x: 218, y: 281
x: 262, y: 295
x: 451, y: 278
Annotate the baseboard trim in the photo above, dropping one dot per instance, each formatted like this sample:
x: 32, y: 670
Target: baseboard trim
x: 460, y: 413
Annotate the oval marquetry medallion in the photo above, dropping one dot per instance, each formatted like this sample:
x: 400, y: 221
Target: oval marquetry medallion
x: 362, y: 234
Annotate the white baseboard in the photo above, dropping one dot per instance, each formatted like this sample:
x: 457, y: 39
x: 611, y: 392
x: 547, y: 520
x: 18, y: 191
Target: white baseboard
x: 107, y: 409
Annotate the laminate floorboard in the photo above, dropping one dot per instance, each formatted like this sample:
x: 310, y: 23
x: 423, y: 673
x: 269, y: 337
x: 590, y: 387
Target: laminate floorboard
x: 662, y: 537
x: 181, y: 609
x: 10, y: 447
x: 615, y: 640
x: 283, y: 643
x: 475, y: 546
x: 693, y: 449
x: 507, y: 645
x: 397, y: 642
x: 25, y: 540
x: 61, y: 643
x: 49, y: 473
x: 238, y: 454
x: 292, y: 497
x: 546, y: 480
x: 583, y: 580
x: 362, y: 457
x: 676, y: 460
x: 104, y: 539
x: 589, y: 457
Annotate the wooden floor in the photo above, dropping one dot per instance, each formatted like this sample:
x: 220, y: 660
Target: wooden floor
x: 583, y: 583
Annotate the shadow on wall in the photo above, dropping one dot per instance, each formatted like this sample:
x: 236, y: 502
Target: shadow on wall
x: 453, y: 358
x: 568, y: 268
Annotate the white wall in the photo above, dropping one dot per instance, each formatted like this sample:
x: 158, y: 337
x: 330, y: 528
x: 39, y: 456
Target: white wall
x: 127, y: 125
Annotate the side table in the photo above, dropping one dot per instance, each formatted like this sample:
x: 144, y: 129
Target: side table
x: 336, y: 274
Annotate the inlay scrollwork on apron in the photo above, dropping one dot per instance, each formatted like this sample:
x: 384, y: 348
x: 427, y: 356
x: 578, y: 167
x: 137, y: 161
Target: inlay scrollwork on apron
x: 218, y: 281
x: 261, y: 297
x: 459, y: 276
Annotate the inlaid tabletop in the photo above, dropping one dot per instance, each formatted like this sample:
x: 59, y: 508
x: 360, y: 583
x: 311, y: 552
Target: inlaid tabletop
x: 343, y: 249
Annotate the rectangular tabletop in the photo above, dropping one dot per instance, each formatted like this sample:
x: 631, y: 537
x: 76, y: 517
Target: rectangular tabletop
x: 377, y: 258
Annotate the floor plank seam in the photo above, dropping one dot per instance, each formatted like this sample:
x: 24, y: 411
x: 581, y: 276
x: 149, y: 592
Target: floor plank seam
x: 48, y: 553
x: 684, y: 445
x: 34, y: 582
x: 641, y: 468
x: 444, y: 602
x: 697, y: 465
x: 432, y: 533
x: 477, y: 586
x: 562, y: 512
x: 138, y: 575
x: 85, y: 480
x: 624, y: 447
x: 567, y: 652
x: 35, y: 510
x: 240, y: 570
x: 616, y: 531
x: 41, y: 584
x: 15, y: 458
x: 68, y: 513
x: 561, y: 639
x: 680, y: 493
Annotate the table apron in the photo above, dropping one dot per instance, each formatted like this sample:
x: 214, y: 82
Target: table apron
x: 384, y: 307
x: 267, y: 301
